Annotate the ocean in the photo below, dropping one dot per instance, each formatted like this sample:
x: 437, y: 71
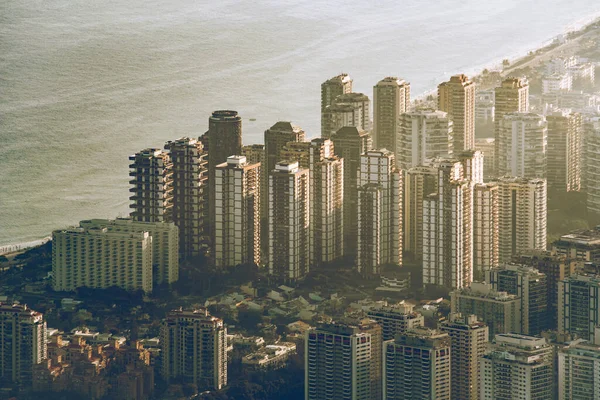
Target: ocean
x: 84, y: 84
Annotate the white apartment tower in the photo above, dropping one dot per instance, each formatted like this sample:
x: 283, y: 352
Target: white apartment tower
x: 457, y: 98
x: 469, y: 339
x: 447, y: 228
x: 391, y: 98
x: 326, y: 203
x: 423, y: 135
x: 510, y: 97
x: 379, y: 212
x: 96, y: 257
x: 522, y: 144
x: 522, y: 216
x: 338, y: 363
x: 194, y: 349
x: 417, y: 365
x: 23, y: 342
x: 289, y: 222
x: 237, y: 212
x: 517, y: 367
x: 485, y: 229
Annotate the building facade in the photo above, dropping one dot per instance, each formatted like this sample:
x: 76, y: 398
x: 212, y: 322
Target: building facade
x: 151, y: 172
x: 417, y: 365
x: 578, y: 371
x: 423, y: 135
x: 578, y: 308
x: 396, y: 319
x: 485, y: 229
x: 289, y: 222
x: 237, y: 212
x: 194, y: 349
x: 517, y: 367
x: 334, y: 87
x: 469, y: 339
x: 522, y: 214
x: 420, y: 183
x: 349, y: 144
x: 457, y: 98
x: 379, y: 212
x: 391, y: 98
x: 23, y: 343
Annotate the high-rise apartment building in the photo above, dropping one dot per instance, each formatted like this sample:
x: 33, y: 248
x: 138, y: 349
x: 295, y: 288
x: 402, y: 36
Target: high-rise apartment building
x: 469, y: 339
x: 349, y: 144
x: 289, y: 222
x: 334, y: 87
x: 423, y: 135
x: 417, y: 365
x: 374, y: 329
x: 297, y: 151
x: 338, y: 363
x: 190, y: 195
x: 391, y: 97
x: 275, y: 138
x: 396, y: 318
x: 97, y: 257
x: 522, y: 214
x: 255, y: 153
x: 23, y: 343
x: 194, y: 349
x: 531, y: 286
x: 349, y: 109
x: 237, y: 212
x: 447, y: 228
x: 578, y: 308
x: 565, y: 137
x: 326, y: 203
x: 500, y: 311
x: 591, y: 170
x: 517, y: 367
x: 151, y: 171
x: 420, y: 183
x: 522, y: 143
x: 578, y: 366
x: 379, y: 212
x: 224, y: 139
x: 485, y: 229
x: 165, y: 245
x: 511, y: 96
x: 582, y: 245
x: 457, y: 98
x: 487, y: 146
x: 484, y: 113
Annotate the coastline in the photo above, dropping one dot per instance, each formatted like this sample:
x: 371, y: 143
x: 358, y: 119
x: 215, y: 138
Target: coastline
x: 517, y: 60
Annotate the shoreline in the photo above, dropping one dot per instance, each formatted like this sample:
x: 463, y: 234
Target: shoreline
x: 577, y: 29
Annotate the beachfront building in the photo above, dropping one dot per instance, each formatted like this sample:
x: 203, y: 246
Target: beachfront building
x: 391, y: 98
x: 423, y: 135
x: 457, y: 98
x: 151, y: 172
x: 237, y: 213
x: 379, y: 213
x: 289, y: 226
x: 349, y: 144
x: 194, y: 349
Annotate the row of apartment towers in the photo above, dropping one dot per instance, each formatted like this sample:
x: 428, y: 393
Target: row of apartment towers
x: 411, y: 183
